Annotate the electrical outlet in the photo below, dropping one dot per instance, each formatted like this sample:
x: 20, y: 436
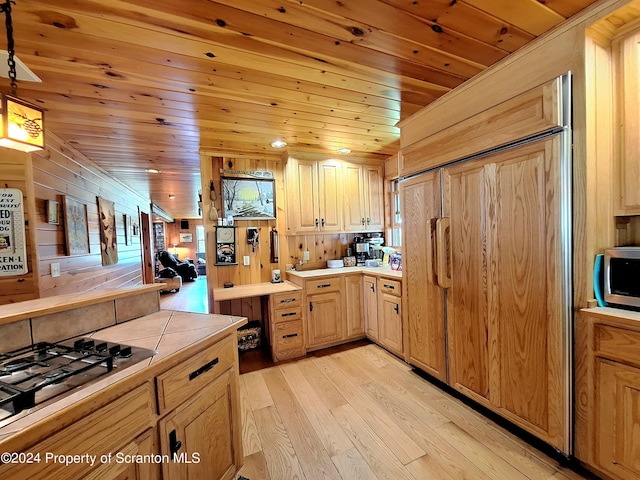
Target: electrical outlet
x: 247, y: 260
x: 305, y: 255
x: 55, y: 269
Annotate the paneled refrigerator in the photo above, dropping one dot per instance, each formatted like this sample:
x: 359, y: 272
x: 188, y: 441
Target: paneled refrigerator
x: 487, y: 277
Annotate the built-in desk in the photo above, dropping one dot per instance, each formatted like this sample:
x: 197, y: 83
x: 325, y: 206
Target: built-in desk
x: 281, y: 305
x: 250, y: 290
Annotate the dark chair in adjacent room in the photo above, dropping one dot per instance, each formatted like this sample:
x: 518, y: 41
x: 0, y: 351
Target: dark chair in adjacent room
x: 201, y: 263
x: 186, y: 270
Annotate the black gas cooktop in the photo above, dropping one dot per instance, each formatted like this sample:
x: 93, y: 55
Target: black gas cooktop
x: 33, y: 376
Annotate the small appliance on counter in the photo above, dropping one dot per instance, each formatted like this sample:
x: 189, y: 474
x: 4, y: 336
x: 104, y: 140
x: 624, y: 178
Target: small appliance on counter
x: 621, y: 273
x: 366, y: 247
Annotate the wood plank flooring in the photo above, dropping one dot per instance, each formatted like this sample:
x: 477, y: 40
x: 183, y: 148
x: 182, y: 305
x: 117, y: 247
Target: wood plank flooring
x: 192, y: 297
x: 361, y: 413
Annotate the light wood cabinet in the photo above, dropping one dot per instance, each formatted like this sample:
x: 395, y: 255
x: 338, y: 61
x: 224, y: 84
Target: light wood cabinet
x: 627, y: 147
x: 200, y: 434
x: 370, y: 293
x: 423, y: 299
x: 126, y: 468
x: 104, y: 431
x: 354, y: 308
x: 313, y: 196
x: 286, y: 328
x: 390, y: 315
x: 610, y: 360
x: 506, y: 323
x: 363, y: 198
x: 202, y: 427
x: 324, y: 319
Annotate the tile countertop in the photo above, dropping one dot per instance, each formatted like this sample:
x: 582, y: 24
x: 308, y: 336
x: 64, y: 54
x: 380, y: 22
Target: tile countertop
x: 384, y: 271
x: 166, y: 331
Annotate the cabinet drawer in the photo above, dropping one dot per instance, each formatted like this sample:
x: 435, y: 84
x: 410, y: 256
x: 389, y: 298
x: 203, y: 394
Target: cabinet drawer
x: 288, y: 341
x: 286, y: 315
x: 186, y: 379
x: 99, y: 433
x: 392, y: 287
x: 617, y: 343
x: 323, y: 285
x: 286, y: 300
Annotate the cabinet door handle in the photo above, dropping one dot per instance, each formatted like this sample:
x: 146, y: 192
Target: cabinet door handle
x: 397, y: 308
x: 323, y: 222
x: 316, y: 223
x: 373, y: 288
x: 205, y: 368
x: 174, y: 444
x: 311, y: 306
x: 288, y: 300
x: 368, y: 221
x: 363, y: 221
x: 291, y: 335
x: 289, y: 314
x: 443, y: 230
x: 390, y: 287
x: 324, y: 285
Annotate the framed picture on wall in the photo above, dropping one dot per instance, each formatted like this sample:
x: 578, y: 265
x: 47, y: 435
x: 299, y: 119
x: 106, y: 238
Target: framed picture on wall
x: 53, y: 215
x: 186, y: 238
x: 108, y: 236
x: 248, y: 198
x: 76, y: 231
x: 127, y: 229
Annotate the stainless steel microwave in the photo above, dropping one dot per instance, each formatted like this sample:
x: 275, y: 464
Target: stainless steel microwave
x: 622, y: 276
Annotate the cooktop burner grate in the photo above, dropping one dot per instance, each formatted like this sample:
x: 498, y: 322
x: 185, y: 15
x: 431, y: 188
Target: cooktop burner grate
x: 35, y: 374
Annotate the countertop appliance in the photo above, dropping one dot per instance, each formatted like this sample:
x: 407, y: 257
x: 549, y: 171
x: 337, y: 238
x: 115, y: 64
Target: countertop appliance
x: 621, y: 274
x: 34, y: 376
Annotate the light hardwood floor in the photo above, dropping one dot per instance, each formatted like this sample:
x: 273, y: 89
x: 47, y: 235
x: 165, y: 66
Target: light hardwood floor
x: 192, y: 297
x: 363, y: 414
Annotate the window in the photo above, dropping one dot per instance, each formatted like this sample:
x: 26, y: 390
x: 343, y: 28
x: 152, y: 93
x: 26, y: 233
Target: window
x: 394, y: 231
x: 200, y: 238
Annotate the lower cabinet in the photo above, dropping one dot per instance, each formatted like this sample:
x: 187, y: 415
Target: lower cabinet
x: 124, y: 466
x: 325, y: 321
x: 200, y: 430
x: 370, y: 292
x: 354, y: 310
x: 286, y: 332
x: 383, y: 312
x: 608, y: 430
x: 617, y: 389
x: 198, y: 436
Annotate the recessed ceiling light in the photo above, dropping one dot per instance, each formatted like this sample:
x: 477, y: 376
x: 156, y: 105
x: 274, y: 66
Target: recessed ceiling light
x: 344, y: 151
x: 172, y: 196
x: 278, y: 144
x: 152, y: 170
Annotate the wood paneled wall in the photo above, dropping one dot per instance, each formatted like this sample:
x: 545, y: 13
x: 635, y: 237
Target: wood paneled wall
x: 16, y: 172
x: 172, y: 233
x: 321, y: 247
x: 61, y: 170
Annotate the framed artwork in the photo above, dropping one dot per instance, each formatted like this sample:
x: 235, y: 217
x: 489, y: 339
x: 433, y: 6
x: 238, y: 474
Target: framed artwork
x: 108, y: 237
x: 186, y: 238
x: 127, y: 229
x: 53, y: 216
x: 226, y: 246
x: 135, y: 227
x: 249, y: 198
x: 76, y: 231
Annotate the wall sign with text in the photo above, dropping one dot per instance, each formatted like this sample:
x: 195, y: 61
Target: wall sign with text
x: 13, y: 243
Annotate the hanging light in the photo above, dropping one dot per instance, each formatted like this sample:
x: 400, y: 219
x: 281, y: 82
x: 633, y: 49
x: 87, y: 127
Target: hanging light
x: 22, y: 122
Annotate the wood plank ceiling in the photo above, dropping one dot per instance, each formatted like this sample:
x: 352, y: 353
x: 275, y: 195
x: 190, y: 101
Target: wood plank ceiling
x: 148, y: 84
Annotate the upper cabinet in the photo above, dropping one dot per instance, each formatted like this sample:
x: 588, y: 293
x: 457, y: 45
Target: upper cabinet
x: 628, y: 161
x: 313, y: 196
x: 363, y: 198
x: 331, y: 196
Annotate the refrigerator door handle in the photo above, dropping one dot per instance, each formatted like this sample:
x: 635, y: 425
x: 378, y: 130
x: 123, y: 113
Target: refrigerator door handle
x: 443, y: 226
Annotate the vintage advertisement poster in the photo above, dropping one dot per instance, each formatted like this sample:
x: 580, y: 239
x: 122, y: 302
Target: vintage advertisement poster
x: 13, y: 244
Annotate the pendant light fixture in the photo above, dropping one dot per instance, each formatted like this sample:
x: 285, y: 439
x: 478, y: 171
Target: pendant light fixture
x: 22, y: 122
